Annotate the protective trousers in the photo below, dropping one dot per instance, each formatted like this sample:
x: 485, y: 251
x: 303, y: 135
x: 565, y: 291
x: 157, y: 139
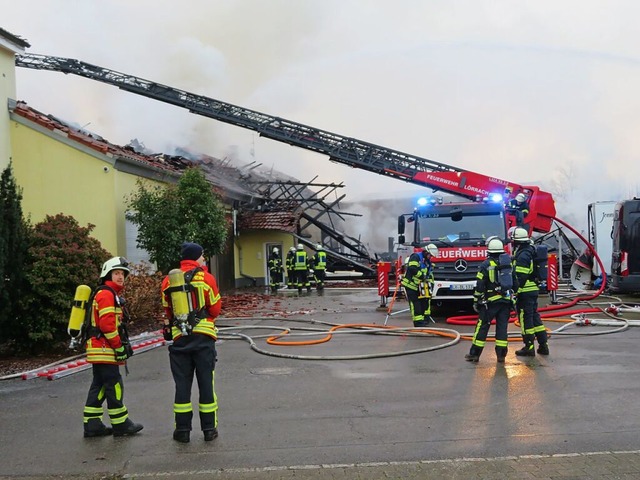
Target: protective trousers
x: 106, y: 385
x: 530, y: 322
x: 191, y: 354
x: 499, y: 310
x: 416, y: 305
x: 319, y: 276
x: 302, y: 279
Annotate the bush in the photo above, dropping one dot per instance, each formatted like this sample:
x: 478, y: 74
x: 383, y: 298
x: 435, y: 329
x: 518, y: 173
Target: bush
x: 142, y: 293
x: 63, y: 255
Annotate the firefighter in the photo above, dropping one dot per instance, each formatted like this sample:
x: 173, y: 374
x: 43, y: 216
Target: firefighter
x: 194, y: 347
x: 491, y: 301
x: 275, y: 270
x: 301, y: 268
x: 106, y: 351
x: 415, y: 283
x: 527, y: 296
x: 519, y: 207
x: 428, y: 252
x: 289, y: 264
x: 319, y: 263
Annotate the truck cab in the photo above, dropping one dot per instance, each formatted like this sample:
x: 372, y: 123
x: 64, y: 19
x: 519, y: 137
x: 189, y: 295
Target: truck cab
x: 460, y: 231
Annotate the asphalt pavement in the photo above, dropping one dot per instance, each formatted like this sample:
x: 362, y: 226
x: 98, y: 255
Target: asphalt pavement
x: 355, y: 406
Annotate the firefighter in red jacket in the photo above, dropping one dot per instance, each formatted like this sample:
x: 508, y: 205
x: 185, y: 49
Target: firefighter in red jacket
x: 194, y: 348
x: 107, y: 348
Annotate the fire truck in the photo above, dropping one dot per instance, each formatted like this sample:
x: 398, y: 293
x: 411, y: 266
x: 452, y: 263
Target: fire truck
x: 459, y: 229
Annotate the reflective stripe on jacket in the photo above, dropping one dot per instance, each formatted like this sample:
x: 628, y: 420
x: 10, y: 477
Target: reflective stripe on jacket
x: 487, y: 282
x: 300, y: 262
x: 320, y: 260
x: 206, y: 297
x: 523, y: 268
x: 106, y: 316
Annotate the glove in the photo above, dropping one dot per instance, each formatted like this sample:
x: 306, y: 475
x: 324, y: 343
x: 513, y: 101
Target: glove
x: 475, y: 307
x: 166, y: 333
x: 121, y: 354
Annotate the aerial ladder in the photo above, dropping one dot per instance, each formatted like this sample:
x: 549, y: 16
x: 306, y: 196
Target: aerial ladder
x: 344, y: 150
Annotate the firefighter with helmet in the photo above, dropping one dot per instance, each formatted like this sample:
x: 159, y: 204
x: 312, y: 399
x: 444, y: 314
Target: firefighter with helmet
x: 518, y: 207
x: 490, y: 301
x: 289, y: 265
x: 428, y: 253
x: 319, y: 262
x: 301, y: 267
x: 194, y: 345
x: 275, y: 270
x: 107, y: 349
x: 527, y: 296
x: 416, y: 283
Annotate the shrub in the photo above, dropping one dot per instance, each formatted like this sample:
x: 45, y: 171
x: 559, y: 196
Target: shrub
x: 63, y: 255
x: 142, y: 293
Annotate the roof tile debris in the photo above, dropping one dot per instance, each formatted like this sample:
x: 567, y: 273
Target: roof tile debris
x: 279, y: 221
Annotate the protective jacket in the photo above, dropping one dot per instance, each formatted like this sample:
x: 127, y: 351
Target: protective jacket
x: 275, y: 263
x: 415, y: 273
x: 523, y: 268
x: 301, y: 261
x: 206, y: 298
x: 107, y: 316
x: 487, y: 286
x: 320, y: 260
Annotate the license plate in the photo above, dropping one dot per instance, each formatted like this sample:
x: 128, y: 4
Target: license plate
x: 462, y: 286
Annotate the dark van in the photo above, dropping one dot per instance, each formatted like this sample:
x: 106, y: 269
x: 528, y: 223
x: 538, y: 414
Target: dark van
x: 625, y: 258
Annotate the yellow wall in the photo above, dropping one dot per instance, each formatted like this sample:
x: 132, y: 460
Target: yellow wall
x: 250, y: 251
x: 7, y: 90
x: 69, y: 178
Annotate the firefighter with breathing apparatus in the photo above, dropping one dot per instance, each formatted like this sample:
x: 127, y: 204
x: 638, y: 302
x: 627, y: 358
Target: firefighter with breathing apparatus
x: 319, y: 262
x: 527, y: 292
x: 191, y: 300
x: 107, y: 347
x: 275, y: 270
x: 492, y: 299
x: 418, y: 284
x: 290, y: 266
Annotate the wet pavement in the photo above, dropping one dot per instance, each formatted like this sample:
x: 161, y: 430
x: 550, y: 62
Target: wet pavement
x: 356, y: 406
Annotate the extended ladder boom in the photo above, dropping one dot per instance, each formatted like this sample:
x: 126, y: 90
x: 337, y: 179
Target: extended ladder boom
x: 345, y: 150
x: 348, y: 151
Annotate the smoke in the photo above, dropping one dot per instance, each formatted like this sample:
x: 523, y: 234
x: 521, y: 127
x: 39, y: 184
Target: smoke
x: 534, y: 92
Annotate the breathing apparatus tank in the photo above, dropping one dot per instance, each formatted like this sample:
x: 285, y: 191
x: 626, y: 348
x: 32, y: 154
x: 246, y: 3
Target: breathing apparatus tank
x: 78, y: 310
x: 180, y: 299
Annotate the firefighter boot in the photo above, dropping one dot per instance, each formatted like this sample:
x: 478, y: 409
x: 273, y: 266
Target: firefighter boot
x: 474, y: 354
x: 181, y: 436
x: 543, y: 348
x: 126, y: 428
x: 529, y: 348
x: 95, y: 428
x: 421, y: 323
x: 210, y: 434
x: 501, y: 354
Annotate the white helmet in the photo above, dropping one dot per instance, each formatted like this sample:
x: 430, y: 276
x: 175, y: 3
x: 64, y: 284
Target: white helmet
x: 115, y: 263
x: 300, y: 246
x: 319, y: 247
x: 292, y: 249
x: 275, y: 250
x: 431, y: 249
x: 520, y: 198
x: 495, y: 245
x: 519, y: 234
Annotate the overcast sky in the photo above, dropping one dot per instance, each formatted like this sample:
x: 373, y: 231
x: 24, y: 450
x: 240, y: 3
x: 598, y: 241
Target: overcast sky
x: 531, y: 91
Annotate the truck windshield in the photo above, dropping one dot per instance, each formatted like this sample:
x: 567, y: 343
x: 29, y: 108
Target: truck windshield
x: 471, y: 228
